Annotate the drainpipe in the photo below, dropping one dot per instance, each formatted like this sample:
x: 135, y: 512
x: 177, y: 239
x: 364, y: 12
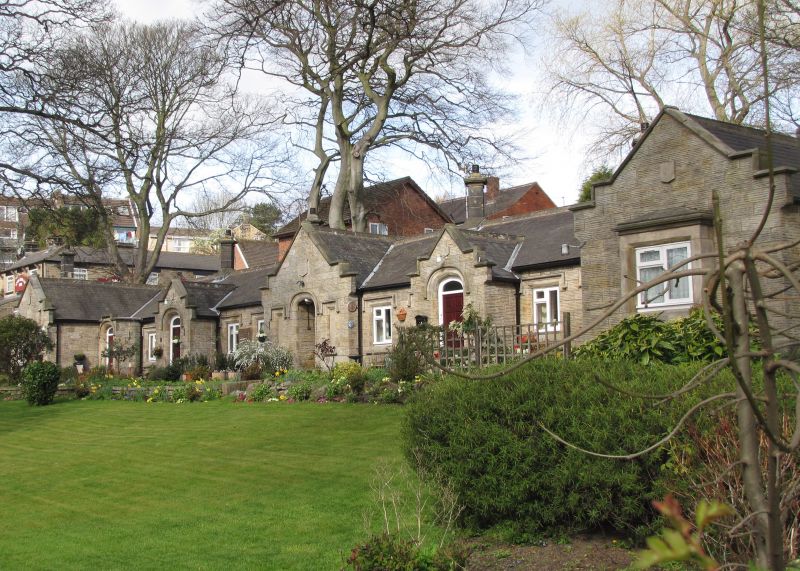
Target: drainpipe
x: 517, y: 304
x: 58, y: 344
x: 360, y: 329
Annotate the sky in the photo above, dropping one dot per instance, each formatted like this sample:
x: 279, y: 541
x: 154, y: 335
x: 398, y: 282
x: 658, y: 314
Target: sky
x: 553, y: 155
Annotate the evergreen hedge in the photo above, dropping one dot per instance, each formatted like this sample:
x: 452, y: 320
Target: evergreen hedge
x: 485, y: 439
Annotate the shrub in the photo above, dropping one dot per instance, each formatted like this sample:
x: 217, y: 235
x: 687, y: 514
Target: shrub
x: 646, y: 338
x: 387, y: 552
x: 484, y: 438
x: 221, y: 362
x: 267, y: 356
x: 68, y: 375
x: 252, y: 372
x: 300, y: 391
x: 157, y: 373
x: 346, y: 369
x: 263, y: 392
x: 404, y: 361
x: 40, y: 382
x: 21, y: 341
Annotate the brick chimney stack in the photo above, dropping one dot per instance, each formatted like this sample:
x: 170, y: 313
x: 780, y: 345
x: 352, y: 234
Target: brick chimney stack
x: 226, y: 255
x: 492, y: 188
x: 475, y: 184
x: 67, y: 263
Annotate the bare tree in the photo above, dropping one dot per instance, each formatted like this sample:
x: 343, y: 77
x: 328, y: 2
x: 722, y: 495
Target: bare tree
x: 223, y: 207
x: 29, y: 31
x: 629, y: 63
x: 152, y: 119
x: 381, y: 72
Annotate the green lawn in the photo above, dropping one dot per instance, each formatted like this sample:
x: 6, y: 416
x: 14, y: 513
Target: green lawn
x: 218, y: 485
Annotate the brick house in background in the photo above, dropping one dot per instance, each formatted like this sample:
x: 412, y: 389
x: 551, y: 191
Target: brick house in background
x: 394, y: 208
x: 14, y: 222
x: 501, y: 203
x: 657, y: 210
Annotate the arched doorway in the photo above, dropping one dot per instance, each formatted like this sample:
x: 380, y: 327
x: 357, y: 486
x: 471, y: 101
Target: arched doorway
x: 451, y: 301
x: 175, y: 338
x: 305, y: 329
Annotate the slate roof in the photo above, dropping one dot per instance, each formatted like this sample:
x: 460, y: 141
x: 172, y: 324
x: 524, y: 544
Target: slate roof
x: 86, y: 255
x: 361, y: 251
x: 78, y: 300
x: 374, y: 196
x: 496, y: 251
x: 259, y: 253
x: 544, y: 232
x: 400, y: 261
x: 204, y: 297
x: 248, y: 284
x: 786, y: 149
x: 456, y: 208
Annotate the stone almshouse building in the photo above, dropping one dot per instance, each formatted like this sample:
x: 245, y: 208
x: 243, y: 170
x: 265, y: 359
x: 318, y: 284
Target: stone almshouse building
x: 357, y: 289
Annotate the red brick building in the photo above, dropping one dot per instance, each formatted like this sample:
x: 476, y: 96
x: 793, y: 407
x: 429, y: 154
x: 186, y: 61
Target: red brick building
x: 395, y: 208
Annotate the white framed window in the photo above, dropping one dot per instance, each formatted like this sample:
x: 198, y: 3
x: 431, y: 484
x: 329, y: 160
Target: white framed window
x: 427, y: 231
x: 382, y: 325
x: 651, y: 262
x: 80, y: 273
x: 378, y: 228
x: 546, y: 309
x: 233, y: 337
x: 151, y: 346
x: 10, y: 284
x: 9, y: 233
x: 109, y: 345
x: 152, y: 279
x: 261, y: 331
x: 180, y: 244
x: 9, y: 214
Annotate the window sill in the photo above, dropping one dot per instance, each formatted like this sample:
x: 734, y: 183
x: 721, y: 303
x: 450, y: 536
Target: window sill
x: 664, y: 307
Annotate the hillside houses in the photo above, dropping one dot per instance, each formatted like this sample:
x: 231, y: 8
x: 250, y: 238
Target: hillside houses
x: 356, y: 290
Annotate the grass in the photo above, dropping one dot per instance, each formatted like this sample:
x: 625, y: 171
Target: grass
x: 111, y: 485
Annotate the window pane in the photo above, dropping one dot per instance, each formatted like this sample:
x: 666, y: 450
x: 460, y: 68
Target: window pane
x: 675, y: 255
x: 679, y: 289
x: 649, y: 256
x: 540, y: 313
x: 654, y: 294
x: 388, y: 318
x: 554, y: 305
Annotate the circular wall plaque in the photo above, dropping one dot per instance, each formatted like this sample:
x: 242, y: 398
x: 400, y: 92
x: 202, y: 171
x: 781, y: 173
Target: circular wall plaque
x: 352, y: 306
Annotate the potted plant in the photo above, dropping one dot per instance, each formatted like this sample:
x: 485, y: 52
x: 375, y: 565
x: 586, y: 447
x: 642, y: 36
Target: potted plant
x: 158, y: 352
x: 80, y: 362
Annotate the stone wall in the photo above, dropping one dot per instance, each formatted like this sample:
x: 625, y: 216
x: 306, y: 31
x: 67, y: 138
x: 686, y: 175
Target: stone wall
x: 306, y: 280
x: 672, y: 168
x: 246, y: 317
x: 568, y: 282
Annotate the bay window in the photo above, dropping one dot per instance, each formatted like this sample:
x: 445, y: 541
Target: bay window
x: 653, y: 261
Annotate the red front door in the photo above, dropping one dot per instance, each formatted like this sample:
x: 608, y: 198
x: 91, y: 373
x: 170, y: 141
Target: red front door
x: 452, y: 307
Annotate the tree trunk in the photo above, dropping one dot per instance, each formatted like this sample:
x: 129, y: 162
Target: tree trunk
x: 355, y: 193
x: 336, y: 212
x: 749, y: 452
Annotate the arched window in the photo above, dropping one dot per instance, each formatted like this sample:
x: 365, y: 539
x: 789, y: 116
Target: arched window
x: 175, y: 338
x: 109, y: 344
x: 451, y: 300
